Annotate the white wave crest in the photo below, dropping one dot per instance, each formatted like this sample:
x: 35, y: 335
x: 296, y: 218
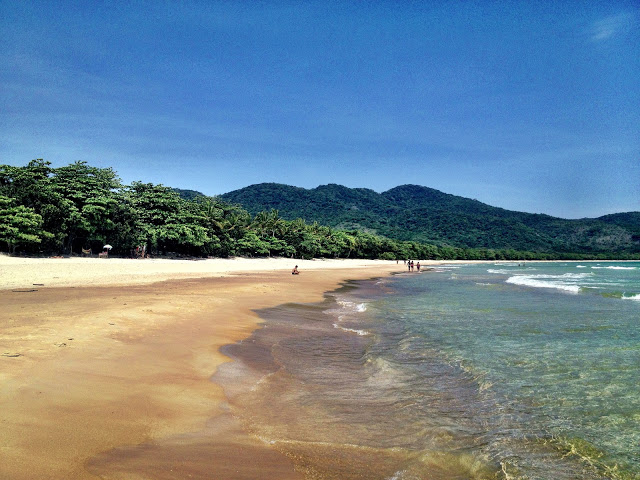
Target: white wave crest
x: 559, y: 282
x: 500, y: 271
x: 348, y: 309
x: 614, y: 268
x: 504, y: 271
x: 362, y: 333
x: 353, y: 306
x: 633, y: 297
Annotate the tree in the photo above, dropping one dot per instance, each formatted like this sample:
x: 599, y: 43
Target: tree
x: 270, y: 228
x: 250, y: 244
x: 61, y: 209
x: 293, y: 235
x: 89, y: 201
x: 19, y: 225
x: 32, y: 186
x: 163, y: 221
x: 338, y: 244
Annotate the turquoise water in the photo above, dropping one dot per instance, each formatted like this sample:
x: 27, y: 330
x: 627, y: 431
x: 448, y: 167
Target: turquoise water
x: 555, y: 349
x: 469, y: 371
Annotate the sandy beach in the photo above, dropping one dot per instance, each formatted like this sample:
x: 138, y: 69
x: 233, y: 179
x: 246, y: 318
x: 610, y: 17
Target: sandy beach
x: 106, y: 364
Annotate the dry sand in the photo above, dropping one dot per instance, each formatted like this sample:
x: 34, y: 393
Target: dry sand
x: 19, y: 272
x: 105, y: 364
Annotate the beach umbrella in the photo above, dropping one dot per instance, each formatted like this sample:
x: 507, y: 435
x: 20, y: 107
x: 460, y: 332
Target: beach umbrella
x: 108, y: 247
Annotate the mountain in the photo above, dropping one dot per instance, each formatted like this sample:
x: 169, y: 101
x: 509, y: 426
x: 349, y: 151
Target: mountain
x: 628, y: 220
x: 413, y: 212
x: 188, y: 194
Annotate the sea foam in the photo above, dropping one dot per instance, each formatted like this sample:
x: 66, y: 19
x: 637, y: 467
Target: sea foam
x: 566, y: 282
x: 353, y: 307
x: 504, y: 271
x: 614, y: 268
x: 362, y: 333
x: 349, y: 308
x: 634, y: 297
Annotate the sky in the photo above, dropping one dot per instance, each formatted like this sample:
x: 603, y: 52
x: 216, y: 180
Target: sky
x: 531, y: 105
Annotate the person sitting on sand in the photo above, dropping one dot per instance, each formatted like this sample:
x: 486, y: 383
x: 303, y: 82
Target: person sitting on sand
x: 295, y: 270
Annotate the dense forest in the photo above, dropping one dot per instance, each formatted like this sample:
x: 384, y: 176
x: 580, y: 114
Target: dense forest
x: 79, y: 208
x: 425, y: 215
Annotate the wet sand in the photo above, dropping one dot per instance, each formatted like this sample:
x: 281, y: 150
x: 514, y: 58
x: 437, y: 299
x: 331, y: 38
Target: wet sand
x: 108, y: 375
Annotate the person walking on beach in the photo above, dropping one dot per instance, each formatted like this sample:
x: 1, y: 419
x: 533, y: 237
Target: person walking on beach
x: 412, y: 265
x: 418, y: 266
x: 408, y: 265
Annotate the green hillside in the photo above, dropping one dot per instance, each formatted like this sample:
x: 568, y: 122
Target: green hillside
x: 188, y: 194
x: 417, y: 213
x: 76, y: 209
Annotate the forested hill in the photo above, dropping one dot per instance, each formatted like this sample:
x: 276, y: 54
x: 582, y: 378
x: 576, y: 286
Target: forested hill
x: 417, y: 213
x: 78, y: 209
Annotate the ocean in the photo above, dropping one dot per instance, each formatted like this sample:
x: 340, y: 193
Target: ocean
x: 481, y: 371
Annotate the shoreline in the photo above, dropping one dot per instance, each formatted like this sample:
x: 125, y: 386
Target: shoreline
x: 106, y: 364
x: 47, y: 272
x: 105, y: 380
x: 319, y: 386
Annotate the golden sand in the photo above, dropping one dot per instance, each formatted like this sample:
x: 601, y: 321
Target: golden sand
x: 106, y: 365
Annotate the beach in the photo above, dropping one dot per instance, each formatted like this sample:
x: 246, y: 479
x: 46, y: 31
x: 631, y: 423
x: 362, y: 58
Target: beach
x: 236, y: 369
x: 106, y: 364
x: 471, y: 371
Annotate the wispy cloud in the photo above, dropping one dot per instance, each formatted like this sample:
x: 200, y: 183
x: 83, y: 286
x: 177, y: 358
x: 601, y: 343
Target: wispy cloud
x: 610, y: 26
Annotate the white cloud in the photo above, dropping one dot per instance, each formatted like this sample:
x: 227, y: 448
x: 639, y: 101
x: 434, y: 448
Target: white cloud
x: 610, y: 26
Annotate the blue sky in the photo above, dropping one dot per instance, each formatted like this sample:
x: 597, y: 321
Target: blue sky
x: 531, y: 106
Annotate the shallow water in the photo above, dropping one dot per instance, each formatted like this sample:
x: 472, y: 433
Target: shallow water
x: 528, y: 372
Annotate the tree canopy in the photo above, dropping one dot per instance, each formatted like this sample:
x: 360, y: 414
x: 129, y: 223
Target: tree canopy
x: 78, y: 207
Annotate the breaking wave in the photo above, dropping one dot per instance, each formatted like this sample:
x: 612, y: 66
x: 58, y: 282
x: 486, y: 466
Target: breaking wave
x: 568, y: 282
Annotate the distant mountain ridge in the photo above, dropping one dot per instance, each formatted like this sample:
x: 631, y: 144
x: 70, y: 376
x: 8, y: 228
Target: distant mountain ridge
x: 423, y: 214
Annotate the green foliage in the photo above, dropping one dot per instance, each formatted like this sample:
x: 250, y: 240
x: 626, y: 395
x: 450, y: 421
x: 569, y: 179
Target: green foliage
x: 629, y: 221
x: 31, y: 186
x: 19, y: 225
x: 57, y: 210
x: 164, y: 221
x: 188, y: 194
x: 88, y: 199
x: 77, y: 202
x: 425, y: 215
